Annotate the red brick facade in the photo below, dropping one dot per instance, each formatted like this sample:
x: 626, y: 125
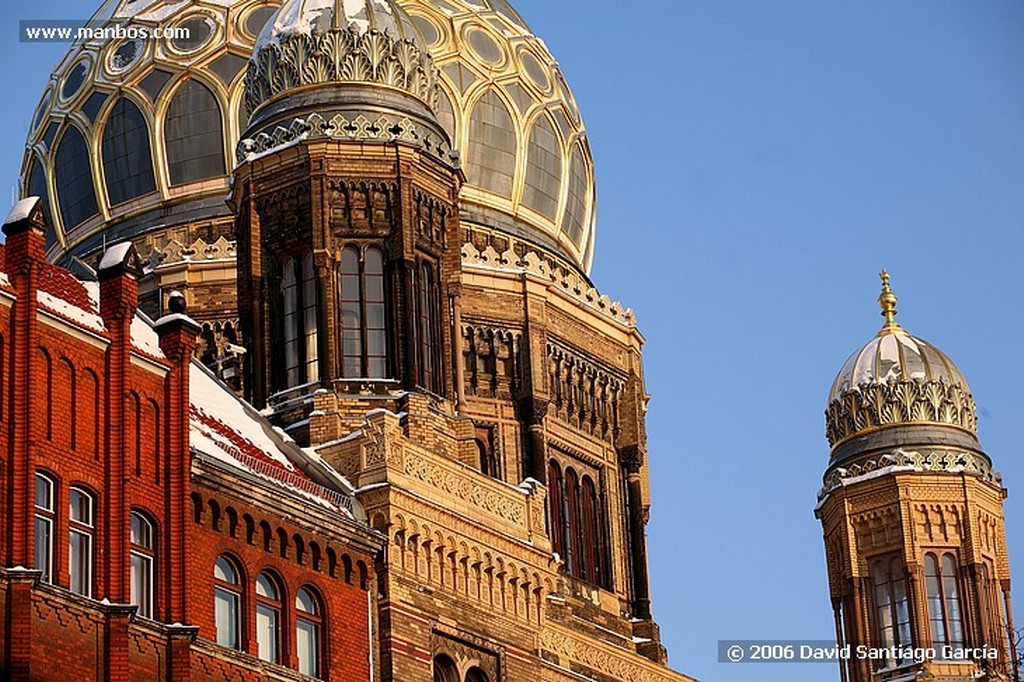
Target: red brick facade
x: 99, y: 403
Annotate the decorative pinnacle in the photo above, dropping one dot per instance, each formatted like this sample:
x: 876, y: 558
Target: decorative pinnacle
x: 887, y: 300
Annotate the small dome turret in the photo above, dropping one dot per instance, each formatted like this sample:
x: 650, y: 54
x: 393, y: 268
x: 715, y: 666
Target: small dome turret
x: 897, y: 379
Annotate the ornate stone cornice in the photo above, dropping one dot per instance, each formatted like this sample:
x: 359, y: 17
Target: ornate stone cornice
x: 340, y: 56
x: 384, y: 128
x: 935, y: 460
x: 564, y: 279
x: 874, y: 405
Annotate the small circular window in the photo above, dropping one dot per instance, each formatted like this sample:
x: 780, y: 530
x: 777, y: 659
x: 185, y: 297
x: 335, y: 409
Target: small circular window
x: 257, y: 19
x: 192, y: 33
x: 74, y: 79
x: 535, y: 71
x: 125, y: 55
x: 431, y: 34
x: 484, y: 46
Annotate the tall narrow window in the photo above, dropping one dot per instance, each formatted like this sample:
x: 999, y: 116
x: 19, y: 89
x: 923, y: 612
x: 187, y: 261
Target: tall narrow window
x: 268, y: 618
x: 308, y: 621
x: 571, y: 520
x: 80, y: 536
x: 892, y: 612
x: 376, y: 337
x: 555, y: 497
x: 290, y: 317
x: 44, y: 526
x: 142, y: 545
x: 427, y: 318
x: 309, y: 322
x: 227, y: 603
x: 194, y: 135
x: 363, y: 323
x: 476, y: 675
x: 351, y: 315
x: 589, y: 526
x: 940, y: 575
x: 299, y: 321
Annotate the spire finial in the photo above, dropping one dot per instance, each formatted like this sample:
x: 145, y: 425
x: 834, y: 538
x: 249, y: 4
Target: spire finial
x: 887, y: 300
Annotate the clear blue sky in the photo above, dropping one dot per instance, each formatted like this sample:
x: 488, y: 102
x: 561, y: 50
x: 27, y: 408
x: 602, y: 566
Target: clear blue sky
x: 758, y: 164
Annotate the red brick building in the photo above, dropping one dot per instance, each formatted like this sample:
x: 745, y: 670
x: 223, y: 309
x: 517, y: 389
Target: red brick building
x: 153, y: 526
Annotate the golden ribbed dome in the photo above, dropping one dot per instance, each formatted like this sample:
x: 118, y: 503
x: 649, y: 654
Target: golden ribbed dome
x: 897, y: 379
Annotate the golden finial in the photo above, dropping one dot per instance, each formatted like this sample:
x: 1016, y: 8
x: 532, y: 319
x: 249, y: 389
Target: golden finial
x: 887, y: 300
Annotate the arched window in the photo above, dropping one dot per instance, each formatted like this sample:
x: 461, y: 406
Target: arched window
x: 75, y: 194
x: 445, y: 670
x: 892, y: 611
x: 363, y: 323
x: 476, y: 675
x: 227, y: 600
x: 142, y: 550
x: 490, y: 155
x: 194, y: 135
x: 589, y: 523
x: 127, y: 165
x: 576, y: 523
x: 299, y: 321
x: 543, y: 169
x: 45, y: 507
x: 80, y: 544
x: 427, y: 358
x: 268, y: 618
x: 940, y: 577
x: 573, y: 221
x: 308, y: 626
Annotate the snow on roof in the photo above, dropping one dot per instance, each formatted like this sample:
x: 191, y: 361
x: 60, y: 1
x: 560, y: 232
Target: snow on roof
x: 144, y: 338
x: 227, y: 429
x: 21, y: 210
x: 70, y: 312
x: 114, y: 256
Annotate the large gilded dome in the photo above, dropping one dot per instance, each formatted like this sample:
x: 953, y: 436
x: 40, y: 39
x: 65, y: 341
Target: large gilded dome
x: 896, y: 380
x: 137, y: 135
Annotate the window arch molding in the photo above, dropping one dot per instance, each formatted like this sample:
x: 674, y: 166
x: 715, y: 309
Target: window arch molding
x: 310, y: 617
x: 942, y: 592
x: 229, y: 600
x: 142, y: 538
x: 82, y: 512
x: 270, y: 599
x: 46, y: 499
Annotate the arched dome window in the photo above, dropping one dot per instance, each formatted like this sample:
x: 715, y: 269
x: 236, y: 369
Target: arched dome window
x: 127, y: 164
x: 75, y: 194
x: 194, y: 135
x: 37, y: 188
x: 576, y: 208
x: 543, y: 169
x: 491, y: 152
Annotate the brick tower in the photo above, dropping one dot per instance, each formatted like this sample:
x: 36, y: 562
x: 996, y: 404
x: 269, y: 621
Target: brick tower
x: 913, y: 521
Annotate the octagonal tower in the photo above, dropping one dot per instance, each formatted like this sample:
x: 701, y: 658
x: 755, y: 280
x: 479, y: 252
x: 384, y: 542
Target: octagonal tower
x: 912, y: 515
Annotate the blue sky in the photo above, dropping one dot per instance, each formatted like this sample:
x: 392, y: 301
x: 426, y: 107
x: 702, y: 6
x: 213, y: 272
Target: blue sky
x: 758, y: 163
